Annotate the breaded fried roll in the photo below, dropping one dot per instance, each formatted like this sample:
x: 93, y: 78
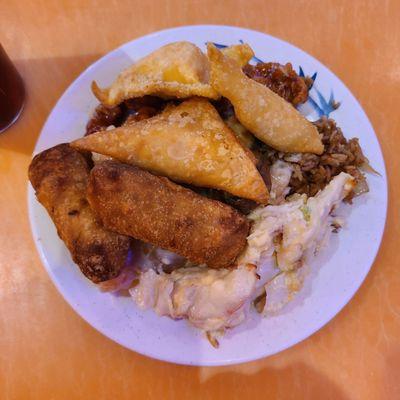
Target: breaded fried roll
x: 134, y: 202
x: 60, y: 176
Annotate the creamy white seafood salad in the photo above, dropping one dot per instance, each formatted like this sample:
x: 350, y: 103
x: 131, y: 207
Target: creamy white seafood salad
x: 283, y: 239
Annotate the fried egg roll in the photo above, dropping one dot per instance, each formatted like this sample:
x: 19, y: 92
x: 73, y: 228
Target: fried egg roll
x: 134, y: 202
x: 59, y: 176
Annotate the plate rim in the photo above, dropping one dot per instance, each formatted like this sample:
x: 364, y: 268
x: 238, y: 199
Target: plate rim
x: 31, y: 199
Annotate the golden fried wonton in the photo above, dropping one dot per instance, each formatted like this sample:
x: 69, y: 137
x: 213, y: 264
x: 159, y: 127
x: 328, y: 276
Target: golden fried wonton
x: 176, y: 70
x: 268, y: 116
x: 187, y: 143
x: 241, y: 53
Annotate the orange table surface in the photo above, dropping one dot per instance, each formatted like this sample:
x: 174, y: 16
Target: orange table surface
x: 49, y: 352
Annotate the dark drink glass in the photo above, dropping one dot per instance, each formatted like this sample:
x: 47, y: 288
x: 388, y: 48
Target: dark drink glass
x: 12, y: 92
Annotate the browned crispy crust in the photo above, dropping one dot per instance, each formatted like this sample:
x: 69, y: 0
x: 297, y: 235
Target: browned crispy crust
x: 134, y: 202
x: 59, y: 176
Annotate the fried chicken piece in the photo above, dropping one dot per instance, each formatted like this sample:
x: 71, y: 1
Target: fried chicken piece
x: 59, y: 176
x: 133, y: 202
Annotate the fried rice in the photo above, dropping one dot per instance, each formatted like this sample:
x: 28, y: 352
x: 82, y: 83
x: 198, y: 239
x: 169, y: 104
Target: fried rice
x: 311, y: 172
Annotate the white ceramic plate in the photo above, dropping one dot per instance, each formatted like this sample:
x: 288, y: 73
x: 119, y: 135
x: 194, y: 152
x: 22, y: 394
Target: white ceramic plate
x: 336, y: 274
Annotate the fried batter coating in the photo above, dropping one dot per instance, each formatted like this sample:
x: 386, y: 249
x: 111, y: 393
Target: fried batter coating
x: 133, y: 202
x: 241, y: 53
x: 60, y: 176
x: 176, y: 70
x: 187, y: 143
x: 264, y: 113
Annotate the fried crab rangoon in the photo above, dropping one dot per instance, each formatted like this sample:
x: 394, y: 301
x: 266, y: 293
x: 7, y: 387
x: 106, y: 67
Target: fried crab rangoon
x: 188, y: 143
x: 59, y: 176
x: 264, y: 113
x: 133, y: 202
x: 176, y: 70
